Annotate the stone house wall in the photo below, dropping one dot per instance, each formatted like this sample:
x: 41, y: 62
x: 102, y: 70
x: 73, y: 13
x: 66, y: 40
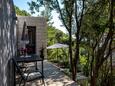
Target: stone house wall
x: 7, y: 42
x: 41, y: 31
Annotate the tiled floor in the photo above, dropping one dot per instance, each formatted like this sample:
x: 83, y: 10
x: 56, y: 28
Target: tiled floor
x: 53, y: 77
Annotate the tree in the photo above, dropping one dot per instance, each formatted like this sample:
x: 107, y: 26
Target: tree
x: 69, y: 19
x: 99, y: 38
x: 79, y: 12
x: 21, y: 12
x: 66, y: 16
x: 36, y: 5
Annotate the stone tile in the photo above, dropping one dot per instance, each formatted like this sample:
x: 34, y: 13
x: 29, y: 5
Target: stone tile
x: 53, y: 77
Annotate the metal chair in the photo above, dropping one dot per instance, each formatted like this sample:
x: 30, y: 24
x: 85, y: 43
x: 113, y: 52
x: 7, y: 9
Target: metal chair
x: 24, y: 72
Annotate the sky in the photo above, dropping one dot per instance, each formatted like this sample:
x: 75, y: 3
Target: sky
x: 22, y: 4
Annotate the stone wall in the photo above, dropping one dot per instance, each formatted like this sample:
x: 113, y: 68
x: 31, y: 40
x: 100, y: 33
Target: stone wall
x: 41, y: 30
x: 7, y: 42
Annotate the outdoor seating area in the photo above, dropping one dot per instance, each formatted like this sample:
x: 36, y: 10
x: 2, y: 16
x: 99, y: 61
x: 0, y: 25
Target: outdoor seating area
x: 29, y: 52
x: 32, y: 70
x: 57, y: 43
x: 52, y: 77
x: 24, y: 70
x: 29, y: 63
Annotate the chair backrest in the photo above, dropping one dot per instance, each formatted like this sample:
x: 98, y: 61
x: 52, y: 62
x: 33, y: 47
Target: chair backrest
x: 18, y: 70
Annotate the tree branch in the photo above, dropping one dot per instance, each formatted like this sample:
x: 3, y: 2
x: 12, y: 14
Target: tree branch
x: 83, y: 1
x: 61, y: 15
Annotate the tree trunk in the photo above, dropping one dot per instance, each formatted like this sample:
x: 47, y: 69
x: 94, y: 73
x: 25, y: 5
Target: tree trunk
x: 71, y: 60
x: 76, y: 58
x: 93, y: 77
x: 78, y: 24
x: 111, y: 27
x: 91, y: 70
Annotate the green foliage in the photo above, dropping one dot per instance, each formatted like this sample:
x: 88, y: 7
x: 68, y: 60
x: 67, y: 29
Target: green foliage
x: 21, y: 12
x: 83, y: 60
x: 59, y: 56
x: 56, y: 36
x: 37, y: 5
x: 51, y: 35
x: 96, y: 25
x: 84, y: 65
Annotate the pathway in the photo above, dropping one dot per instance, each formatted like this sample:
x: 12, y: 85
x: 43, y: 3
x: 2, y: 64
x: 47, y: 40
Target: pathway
x: 53, y: 77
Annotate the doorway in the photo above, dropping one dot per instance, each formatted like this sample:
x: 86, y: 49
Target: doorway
x: 31, y: 46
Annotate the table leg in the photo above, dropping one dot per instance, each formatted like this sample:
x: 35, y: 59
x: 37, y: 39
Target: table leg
x: 14, y: 71
x: 42, y: 72
x: 36, y: 65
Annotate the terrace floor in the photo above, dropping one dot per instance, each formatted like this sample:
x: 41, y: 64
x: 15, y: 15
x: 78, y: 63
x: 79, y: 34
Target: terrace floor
x: 53, y: 77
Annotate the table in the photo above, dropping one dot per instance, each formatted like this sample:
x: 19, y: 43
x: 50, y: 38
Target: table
x: 31, y: 58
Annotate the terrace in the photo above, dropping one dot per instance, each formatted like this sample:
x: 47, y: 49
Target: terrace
x: 24, y: 49
x: 31, y: 35
x: 52, y: 77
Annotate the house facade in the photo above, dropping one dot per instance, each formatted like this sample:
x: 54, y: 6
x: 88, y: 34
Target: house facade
x: 32, y: 32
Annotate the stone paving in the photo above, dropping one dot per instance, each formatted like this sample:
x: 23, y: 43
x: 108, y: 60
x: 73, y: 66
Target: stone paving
x: 53, y: 77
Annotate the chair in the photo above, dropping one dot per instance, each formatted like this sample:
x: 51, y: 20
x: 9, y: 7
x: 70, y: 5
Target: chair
x: 24, y: 72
